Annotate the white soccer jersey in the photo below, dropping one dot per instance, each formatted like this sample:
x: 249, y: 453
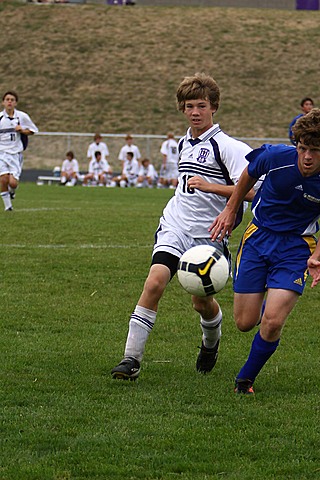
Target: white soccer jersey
x: 98, y: 147
x: 131, y: 169
x: 70, y: 166
x: 10, y: 140
x: 193, y: 211
x: 170, y: 149
x: 129, y: 148
x: 148, y: 171
x: 98, y: 167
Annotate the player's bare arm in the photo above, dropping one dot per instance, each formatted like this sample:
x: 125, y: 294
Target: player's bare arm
x: 314, y: 266
x: 218, y: 189
x: 224, y: 222
x: 25, y: 131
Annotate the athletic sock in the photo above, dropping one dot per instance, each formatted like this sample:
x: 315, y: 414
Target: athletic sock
x: 260, y: 352
x: 211, y: 330
x: 6, y: 200
x: 140, y: 326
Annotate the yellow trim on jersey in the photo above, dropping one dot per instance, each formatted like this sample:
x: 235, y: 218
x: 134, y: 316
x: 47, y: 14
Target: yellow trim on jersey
x: 251, y: 228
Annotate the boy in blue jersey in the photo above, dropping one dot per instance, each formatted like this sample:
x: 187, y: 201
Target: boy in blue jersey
x: 278, y: 247
x: 186, y: 219
x: 306, y: 105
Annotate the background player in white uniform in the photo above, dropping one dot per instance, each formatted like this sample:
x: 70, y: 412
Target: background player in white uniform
x: 99, y: 171
x: 98, y: 146
x: 147, y: 174
x: 69, y: 170
x: 186, y: 220
x: 170, y: 158
x: 13, y: 124
x: 129, y: 147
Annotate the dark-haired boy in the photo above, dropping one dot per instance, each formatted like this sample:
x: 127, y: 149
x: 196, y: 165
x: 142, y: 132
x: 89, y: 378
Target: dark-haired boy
x: 13, y: 124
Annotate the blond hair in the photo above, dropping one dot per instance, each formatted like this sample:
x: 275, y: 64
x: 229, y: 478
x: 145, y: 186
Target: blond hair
x: 198, y: 86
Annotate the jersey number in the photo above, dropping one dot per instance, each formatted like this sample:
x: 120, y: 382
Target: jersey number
x: 185, y: 187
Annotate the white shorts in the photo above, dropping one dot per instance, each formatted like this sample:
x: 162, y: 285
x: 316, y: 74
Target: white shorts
x: 170, y: 173
x: 11, y: 163
x: 172, y: 240
x: 132, y: 182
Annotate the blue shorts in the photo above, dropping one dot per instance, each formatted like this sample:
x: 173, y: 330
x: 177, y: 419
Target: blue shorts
x: 271, y: 260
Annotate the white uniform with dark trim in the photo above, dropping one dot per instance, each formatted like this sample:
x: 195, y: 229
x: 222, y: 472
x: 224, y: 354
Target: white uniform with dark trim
x: 98, y: 147
x: 189, y: 213
x: 11, y: 146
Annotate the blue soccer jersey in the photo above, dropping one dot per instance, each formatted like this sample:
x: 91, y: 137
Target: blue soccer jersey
x: 286, y: 202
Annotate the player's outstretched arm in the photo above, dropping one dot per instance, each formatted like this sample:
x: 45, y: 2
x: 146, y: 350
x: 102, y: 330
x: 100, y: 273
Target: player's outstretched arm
x: 224, y: 222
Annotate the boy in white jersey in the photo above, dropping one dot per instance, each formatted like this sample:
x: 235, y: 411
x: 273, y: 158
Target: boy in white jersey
x: 186, y: 220
x: 169, y: 168
x: 286, y: 210
x: 98, y: 146
x: 147, y: 174
x: 15, y: 126
x: 69, y: 170
x: 99, y: 171
x: 129, y: 147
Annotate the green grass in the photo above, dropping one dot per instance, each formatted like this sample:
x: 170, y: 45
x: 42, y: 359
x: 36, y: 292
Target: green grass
x: 73, y: 265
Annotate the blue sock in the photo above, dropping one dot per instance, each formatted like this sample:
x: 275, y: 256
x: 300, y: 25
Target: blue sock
x: 260, y: 352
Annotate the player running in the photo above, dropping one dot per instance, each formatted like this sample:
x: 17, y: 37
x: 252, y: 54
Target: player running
x: 15, y: 126
x: 278, y: 246
x: 208, y: 160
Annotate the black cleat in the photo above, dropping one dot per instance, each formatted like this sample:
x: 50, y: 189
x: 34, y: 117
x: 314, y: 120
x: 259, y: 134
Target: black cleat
x: 243, y: 386
x: 12, y: 194
x: 128, y: 369
x: 10, y: 209
x: 207, y: 358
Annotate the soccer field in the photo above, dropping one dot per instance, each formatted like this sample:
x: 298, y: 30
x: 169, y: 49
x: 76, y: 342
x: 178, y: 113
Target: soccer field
x: 74, y: 261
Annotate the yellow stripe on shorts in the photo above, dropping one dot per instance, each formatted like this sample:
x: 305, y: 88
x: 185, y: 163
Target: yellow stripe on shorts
x: 251, y: 228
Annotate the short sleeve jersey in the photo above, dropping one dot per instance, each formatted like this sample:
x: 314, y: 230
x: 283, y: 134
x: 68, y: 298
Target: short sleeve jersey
x: 98, y: 147
x: 192, y: 210
x: 10, y: 140
x: 70, y: 166
x: 148, y: 171
x: 129, y: 148
x: 286, y: 202
x: 98, y: 167
x: 170, y: 149
x: 131, y: 169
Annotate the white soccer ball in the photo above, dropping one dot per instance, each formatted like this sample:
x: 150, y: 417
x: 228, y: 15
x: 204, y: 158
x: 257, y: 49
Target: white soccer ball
x: 203, y: 270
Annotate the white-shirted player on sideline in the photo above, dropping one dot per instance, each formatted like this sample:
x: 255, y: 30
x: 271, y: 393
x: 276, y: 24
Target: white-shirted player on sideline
x: 129, y: 175
x: 13, y: 123
x: 98, y: 146
x: 169, y: 168
x: 147, y: 174
x: 129, y: 147
x: 206, y: 153
x: 99, y: 172
x: 69, y: 170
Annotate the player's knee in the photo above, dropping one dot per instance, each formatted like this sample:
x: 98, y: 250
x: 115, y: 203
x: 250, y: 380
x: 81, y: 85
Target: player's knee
x: 204, y: 305
x: 154, y: 286
x: 272, y: 326
x: 245, y: 323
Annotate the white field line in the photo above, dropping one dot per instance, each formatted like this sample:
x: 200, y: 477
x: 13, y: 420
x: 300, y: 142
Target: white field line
x: 80, y: 247
x: 43, y: 209
x: 75, y: 247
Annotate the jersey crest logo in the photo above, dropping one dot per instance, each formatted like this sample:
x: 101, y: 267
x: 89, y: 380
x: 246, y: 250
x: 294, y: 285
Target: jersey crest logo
x: 298, y: 282
x: 203, y: 155
x: 299, y: 187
